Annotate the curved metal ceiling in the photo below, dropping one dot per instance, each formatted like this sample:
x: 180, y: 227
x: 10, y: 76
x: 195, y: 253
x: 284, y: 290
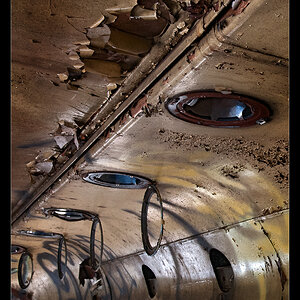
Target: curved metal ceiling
x: 221, y: 218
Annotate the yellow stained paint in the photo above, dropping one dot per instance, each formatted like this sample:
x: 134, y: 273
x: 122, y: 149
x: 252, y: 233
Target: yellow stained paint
x: 189, y: 172
x: 156, y: 165
x: 249, y: 180
x: 237, y: 208
x: 186, y: 177
x: 199, y: 156
x: 226, y: 181
x: 262, y: 287
x: 265, y: 184
x: 175, y: 181
x: 206, y: 209
x: 162, y: 170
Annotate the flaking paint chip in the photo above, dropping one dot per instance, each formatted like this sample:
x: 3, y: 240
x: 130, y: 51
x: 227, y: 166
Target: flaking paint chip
x: 109, y: 18
x: 99, y: 36
x: 31, y: 164
x: 44, y: 167
x: 61, y: 141
x: 139, y: 12
x: 65, y: 133
x: 184, y: 31
x: 98, y: 22
x: 111, y: 86
x: 85, y: 51
x: 181, y: 25
x: 118, y: 10
x: 62, y: 77
x: 73, y: 55
x: 78, y: 65
x: 83, y: 42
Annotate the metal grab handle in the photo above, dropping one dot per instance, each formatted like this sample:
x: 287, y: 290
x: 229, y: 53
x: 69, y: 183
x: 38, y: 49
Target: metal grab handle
x: 92, y: 243
x: 145, y: 237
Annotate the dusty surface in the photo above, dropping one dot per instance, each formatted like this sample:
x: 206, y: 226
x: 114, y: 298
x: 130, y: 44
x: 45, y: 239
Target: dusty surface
x: 271, y: 156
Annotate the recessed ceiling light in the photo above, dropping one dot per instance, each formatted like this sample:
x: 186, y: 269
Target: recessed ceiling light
x: 117, y: 180
x: 217, y: 109
x: 150, y: 280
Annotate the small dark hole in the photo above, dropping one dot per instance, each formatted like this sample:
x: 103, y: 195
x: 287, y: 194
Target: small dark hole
x: 189, y: 110
x: 150, y: 280
x: 210, y: 108
x: 222, y: 268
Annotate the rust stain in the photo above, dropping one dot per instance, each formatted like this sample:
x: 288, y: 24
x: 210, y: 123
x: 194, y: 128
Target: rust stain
x: 238, y: 10
x: 20, y: 294
x: 137, y: 107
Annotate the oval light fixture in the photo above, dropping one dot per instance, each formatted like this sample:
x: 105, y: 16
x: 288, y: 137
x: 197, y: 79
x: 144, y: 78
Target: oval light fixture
x: 215, y: 109
x: 96, y: 231
x: 117, y: 180
x: 152, y: 213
